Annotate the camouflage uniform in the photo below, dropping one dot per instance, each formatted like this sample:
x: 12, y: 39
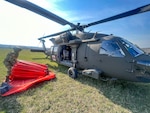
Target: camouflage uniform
x: 10, y: 60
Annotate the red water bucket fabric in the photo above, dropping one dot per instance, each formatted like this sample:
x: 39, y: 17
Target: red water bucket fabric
x: 26, y: 74
x: 26, y: 70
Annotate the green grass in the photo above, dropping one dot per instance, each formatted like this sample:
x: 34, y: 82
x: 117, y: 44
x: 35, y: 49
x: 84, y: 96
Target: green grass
x: 65, y: 95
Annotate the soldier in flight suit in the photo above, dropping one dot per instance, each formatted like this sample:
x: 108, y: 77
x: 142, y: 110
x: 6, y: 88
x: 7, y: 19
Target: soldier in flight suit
x: 10, y: 60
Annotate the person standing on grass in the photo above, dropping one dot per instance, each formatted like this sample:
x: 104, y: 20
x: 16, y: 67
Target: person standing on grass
x: 10, y: 60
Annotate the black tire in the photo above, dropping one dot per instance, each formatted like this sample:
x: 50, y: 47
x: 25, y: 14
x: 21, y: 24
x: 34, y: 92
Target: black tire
x: 72, y: 72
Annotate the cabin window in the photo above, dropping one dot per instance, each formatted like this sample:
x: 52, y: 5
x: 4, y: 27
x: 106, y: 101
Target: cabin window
x: 51, y: 49
x: 55, y: 49
x: 111, y: 48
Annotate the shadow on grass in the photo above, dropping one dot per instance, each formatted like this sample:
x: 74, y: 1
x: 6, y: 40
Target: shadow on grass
x: 9, y: 104
x: 132, y: 96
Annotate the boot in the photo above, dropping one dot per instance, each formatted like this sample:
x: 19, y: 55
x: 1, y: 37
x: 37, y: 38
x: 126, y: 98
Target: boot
x: 4, y: 88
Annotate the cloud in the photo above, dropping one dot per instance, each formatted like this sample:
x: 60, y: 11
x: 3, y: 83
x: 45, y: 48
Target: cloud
x: 22, y: 27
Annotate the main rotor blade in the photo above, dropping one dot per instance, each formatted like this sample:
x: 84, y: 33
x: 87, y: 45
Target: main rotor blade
x: 122, y: 15
x: 41, y: 11
x: 55, y: 34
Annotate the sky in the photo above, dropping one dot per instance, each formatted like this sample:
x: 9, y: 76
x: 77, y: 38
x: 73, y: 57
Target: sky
x: 18, y: 26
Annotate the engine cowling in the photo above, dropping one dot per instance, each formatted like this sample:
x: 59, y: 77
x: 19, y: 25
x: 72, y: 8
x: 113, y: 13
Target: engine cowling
x: 63, y: 38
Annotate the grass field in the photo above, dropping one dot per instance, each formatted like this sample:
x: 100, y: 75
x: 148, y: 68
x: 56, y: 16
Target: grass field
x: 65, y: 95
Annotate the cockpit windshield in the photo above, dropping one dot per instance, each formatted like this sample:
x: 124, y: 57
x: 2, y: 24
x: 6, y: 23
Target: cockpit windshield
x: 131, y: 48
x: 111, y: 48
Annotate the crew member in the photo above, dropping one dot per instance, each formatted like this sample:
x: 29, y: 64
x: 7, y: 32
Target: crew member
x: 10, y: 60
x: 67, y: 53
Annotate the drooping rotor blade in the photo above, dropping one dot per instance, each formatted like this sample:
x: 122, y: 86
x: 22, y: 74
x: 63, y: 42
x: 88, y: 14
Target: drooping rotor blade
x: 55, y: 34
x: 122, y: 15
x: 41, y: 11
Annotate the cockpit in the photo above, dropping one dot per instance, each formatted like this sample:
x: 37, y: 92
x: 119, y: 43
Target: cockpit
x: 112, y: 48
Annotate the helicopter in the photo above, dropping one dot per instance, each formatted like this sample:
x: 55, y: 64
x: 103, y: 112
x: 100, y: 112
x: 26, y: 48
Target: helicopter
x: 96, y: 55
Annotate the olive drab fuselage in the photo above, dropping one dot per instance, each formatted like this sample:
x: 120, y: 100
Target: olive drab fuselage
x: 115, y: 57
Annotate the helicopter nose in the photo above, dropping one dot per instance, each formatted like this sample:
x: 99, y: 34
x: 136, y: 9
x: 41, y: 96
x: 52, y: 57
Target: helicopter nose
x: 143, y: 70
x: 145, y: 65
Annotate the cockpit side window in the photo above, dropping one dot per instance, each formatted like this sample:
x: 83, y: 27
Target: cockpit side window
x: 111, y: 48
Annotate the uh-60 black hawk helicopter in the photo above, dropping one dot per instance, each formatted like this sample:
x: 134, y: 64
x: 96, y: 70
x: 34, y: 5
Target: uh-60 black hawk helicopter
x: 96, y: 55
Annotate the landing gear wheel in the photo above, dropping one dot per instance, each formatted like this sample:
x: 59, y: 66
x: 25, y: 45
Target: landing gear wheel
x: 72, y: 72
